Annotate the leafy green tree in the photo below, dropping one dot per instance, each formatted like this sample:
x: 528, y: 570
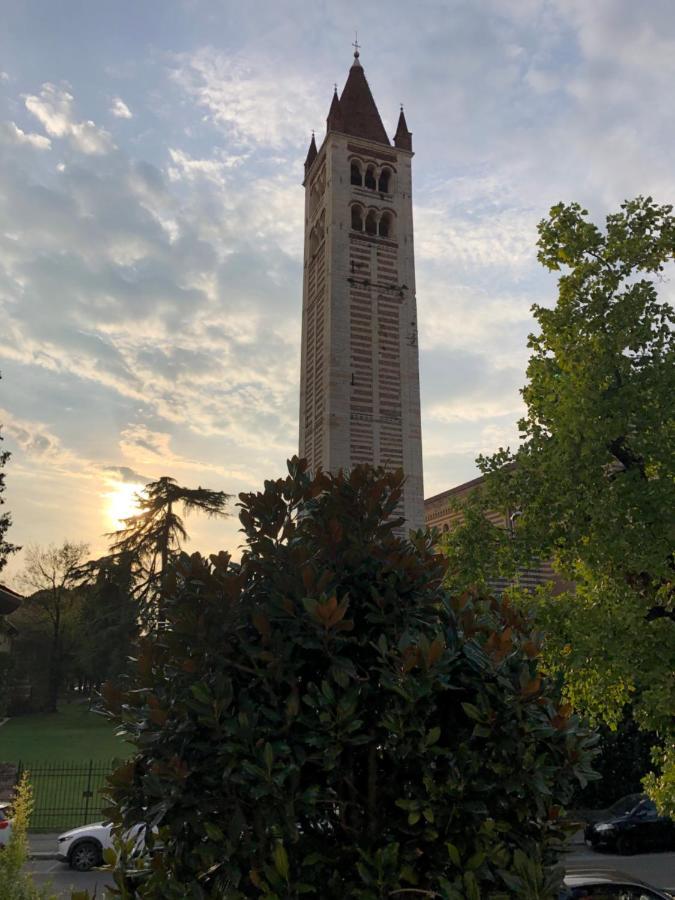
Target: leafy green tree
x: 326, y: 720
x: 593, y: 476
x: 53, y: 574
x: 592, y: 481
x: 6, y: 549
x: 152, y: 538
x: 109, y: 621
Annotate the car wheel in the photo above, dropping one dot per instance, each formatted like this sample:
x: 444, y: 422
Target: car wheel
x: 85, y: 856
x: 624, y: 845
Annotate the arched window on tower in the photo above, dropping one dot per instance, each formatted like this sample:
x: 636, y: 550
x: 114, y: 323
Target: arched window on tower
x: 384, y: 181
x: 357, y: 178
x: 371, y: 223
x: 386, y: 225
x: 370, y: 182
x: 357, y: 218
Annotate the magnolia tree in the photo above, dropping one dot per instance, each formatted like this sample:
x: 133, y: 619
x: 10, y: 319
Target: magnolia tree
x: 325, y: 720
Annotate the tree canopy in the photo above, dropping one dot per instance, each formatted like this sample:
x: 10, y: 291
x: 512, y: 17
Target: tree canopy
x: 53, y: 575
x: 152, y: 538
x: 325, y: 720
x: 593, y: 479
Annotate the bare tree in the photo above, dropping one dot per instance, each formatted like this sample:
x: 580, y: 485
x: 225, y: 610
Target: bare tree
x: 52, y: 575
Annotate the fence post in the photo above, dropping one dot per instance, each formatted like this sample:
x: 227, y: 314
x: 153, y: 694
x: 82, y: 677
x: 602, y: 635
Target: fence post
x: 88, y: 793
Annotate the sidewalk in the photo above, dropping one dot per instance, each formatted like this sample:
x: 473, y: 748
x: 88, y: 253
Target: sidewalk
x: 42, y: 846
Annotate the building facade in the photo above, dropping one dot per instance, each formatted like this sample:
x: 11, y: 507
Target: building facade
x: 359, y: 385
x: 443, y: 512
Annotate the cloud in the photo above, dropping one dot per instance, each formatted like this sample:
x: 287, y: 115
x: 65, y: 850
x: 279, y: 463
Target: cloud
x: 39, y: 445
x: 14, y: 135
x: 126, y: 475
x: 120, y: 110
x: 185, y: 167
x: 53, y: 108
x: 244, y: 95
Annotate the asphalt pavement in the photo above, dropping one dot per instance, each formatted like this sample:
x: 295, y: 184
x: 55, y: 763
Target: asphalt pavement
x: 63, y: 881
x: 657, y: 869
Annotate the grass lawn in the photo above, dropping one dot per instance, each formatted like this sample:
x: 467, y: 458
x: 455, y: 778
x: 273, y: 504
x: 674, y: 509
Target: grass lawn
x: 71, y: 735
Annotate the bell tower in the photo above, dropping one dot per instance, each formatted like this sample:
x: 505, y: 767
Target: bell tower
x: 359, y: 385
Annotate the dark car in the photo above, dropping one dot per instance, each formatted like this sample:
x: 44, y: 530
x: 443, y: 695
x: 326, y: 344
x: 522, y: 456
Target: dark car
x: 619, y: 808
x: 587, y: 883
x: 642, y: 829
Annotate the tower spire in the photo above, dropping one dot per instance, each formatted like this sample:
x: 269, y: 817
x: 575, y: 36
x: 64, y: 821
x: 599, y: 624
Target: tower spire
x: 403, y: 137
x: 334, y: 122
x: 358, y: 112
x: 311, y: 154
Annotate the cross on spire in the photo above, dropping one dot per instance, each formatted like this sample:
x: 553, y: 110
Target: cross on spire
x: 356, y: 45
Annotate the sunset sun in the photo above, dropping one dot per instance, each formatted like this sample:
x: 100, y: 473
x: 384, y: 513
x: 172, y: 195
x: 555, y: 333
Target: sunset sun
x: 122, y: 502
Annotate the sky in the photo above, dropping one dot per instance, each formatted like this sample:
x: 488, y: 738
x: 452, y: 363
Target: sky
x: 151, y: 222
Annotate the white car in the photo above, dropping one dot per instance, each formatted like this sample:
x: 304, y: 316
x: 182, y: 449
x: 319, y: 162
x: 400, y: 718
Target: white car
x: 5, y: 825
x: 82, y: 848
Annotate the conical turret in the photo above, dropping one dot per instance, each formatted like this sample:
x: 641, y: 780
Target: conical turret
x: 334, y: 121
x: 403, y: 137
x: 311, y: 154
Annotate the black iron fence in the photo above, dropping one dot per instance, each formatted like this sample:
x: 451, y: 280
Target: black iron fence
x: 66, y: 795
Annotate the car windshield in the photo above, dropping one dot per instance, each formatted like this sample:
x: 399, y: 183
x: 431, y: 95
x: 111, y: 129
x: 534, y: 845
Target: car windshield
x: 645, y: 809
x: 625, y: 804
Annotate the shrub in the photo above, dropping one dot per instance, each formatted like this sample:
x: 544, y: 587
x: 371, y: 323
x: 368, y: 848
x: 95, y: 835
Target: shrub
x: 15, y: 884
x: 325, y: 720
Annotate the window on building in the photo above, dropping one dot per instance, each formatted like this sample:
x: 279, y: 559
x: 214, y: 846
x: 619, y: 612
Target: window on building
x: 357, y: 178
x: 371, y: 223
x: 386, y: 223
x: 370, y: 182
x: 357, y: 218
x: 384, y: 181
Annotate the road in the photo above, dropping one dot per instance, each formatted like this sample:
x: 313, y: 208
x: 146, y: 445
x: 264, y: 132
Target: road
x: 62, y: 880
x: 656, y: 868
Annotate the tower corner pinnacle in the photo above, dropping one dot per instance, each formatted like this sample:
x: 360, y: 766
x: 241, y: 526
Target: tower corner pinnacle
x: 334, y: 121
x: 311, y: 154
x: 403, y: 137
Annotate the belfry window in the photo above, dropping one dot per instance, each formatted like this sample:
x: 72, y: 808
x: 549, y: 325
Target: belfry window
x: 371, y: 223
x: 357, y: 178
x: 370, y: 182
x: 357, y: 218
x: 384, y: 181
x: 385, y: 229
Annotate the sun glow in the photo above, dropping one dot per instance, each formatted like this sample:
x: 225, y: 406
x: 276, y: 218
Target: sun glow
x: 122, y: 502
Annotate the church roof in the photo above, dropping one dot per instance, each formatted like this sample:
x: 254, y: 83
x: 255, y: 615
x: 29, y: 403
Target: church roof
x: 356, y: 108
